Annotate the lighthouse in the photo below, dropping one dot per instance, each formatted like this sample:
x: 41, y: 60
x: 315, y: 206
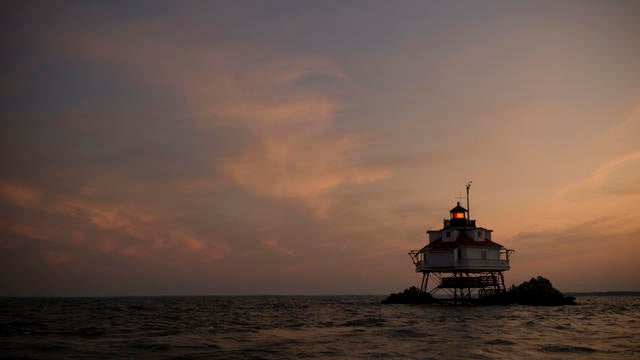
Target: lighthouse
x: 460, y: 261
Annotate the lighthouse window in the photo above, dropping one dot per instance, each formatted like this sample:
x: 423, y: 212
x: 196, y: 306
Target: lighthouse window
x: 448, y: 234
x: 483, y: 255
x: 458, y: 215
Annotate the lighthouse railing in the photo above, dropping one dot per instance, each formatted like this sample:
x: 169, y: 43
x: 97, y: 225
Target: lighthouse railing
x: 417, y: 257
x: 505, y: 254
x: 482, y: 263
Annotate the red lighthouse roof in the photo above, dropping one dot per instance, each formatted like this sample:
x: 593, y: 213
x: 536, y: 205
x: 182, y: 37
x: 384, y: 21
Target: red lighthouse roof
x: 462, y: 240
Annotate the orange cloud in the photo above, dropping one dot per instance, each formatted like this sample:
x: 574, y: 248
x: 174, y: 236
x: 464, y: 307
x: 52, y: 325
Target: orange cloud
x: 30, y: 231
x: 618, y: 175
x: 303, y: 170
x: 19, y: 194
x: 153, y: 233
x: 612, y: 188
x: 294, y: 155
x: 57, y: 257
x: 276, y: 246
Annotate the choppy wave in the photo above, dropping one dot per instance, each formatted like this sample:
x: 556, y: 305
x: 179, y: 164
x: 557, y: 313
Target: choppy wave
x: 566, y: 349
x: 314, y: 327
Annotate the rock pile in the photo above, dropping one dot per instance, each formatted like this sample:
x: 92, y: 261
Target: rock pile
x: 412, y: 295
x: 537, y: 291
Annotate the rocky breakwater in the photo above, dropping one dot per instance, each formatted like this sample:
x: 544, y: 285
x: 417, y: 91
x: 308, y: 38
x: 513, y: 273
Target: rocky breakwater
x: 412, y: 295
x: 537, y: 291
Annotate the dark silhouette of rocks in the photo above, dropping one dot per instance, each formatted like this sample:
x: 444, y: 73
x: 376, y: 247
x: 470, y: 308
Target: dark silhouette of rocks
x: 537, y: 291
x: 412, y: 295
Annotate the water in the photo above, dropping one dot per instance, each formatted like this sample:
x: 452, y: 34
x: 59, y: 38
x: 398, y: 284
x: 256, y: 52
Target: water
x: 314, y: 327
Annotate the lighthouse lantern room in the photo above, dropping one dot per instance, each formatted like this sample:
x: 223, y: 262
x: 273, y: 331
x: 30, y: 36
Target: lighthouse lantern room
x: 460, y: 261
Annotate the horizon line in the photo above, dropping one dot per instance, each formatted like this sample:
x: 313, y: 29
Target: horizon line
x: 580, y: 293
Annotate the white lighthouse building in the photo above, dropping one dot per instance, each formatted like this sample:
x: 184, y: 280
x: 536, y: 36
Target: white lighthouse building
x: 460, y: 260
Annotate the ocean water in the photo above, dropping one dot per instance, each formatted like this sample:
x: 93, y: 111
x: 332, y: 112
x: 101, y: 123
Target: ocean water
x: 289, y: 327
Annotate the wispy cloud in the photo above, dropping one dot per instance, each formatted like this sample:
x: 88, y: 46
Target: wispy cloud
x: 57, y: 257
x: 19, y: 194
x: 620, y: 173
x: 618, y: 176
x: 295, y: 154
x: 276, y: 246
x: 126, y: 229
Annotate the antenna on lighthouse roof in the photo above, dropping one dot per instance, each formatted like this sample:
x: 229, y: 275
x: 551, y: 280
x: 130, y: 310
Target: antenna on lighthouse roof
x: 468, y: 208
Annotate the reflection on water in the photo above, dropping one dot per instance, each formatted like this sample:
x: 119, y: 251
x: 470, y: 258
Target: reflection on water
x: 314, y: 327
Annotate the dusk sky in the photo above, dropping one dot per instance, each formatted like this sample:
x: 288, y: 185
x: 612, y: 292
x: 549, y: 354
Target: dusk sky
x: 304, y: 147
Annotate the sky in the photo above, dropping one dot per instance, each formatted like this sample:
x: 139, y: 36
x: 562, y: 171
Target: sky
x: 304, y: 147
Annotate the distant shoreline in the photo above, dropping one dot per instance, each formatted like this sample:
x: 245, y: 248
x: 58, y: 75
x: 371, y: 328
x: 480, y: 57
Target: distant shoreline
x: 605, y: 293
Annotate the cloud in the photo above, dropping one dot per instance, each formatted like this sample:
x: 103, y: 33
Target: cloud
x: 19, y: 194
x: 294, y: 153
x: 618, y: 176
x: 118, y: 227
x: 277, y: 247
x: 56, y: 257
x: 622, y: 136
x: 299, y: 169
x: 30, y: 231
